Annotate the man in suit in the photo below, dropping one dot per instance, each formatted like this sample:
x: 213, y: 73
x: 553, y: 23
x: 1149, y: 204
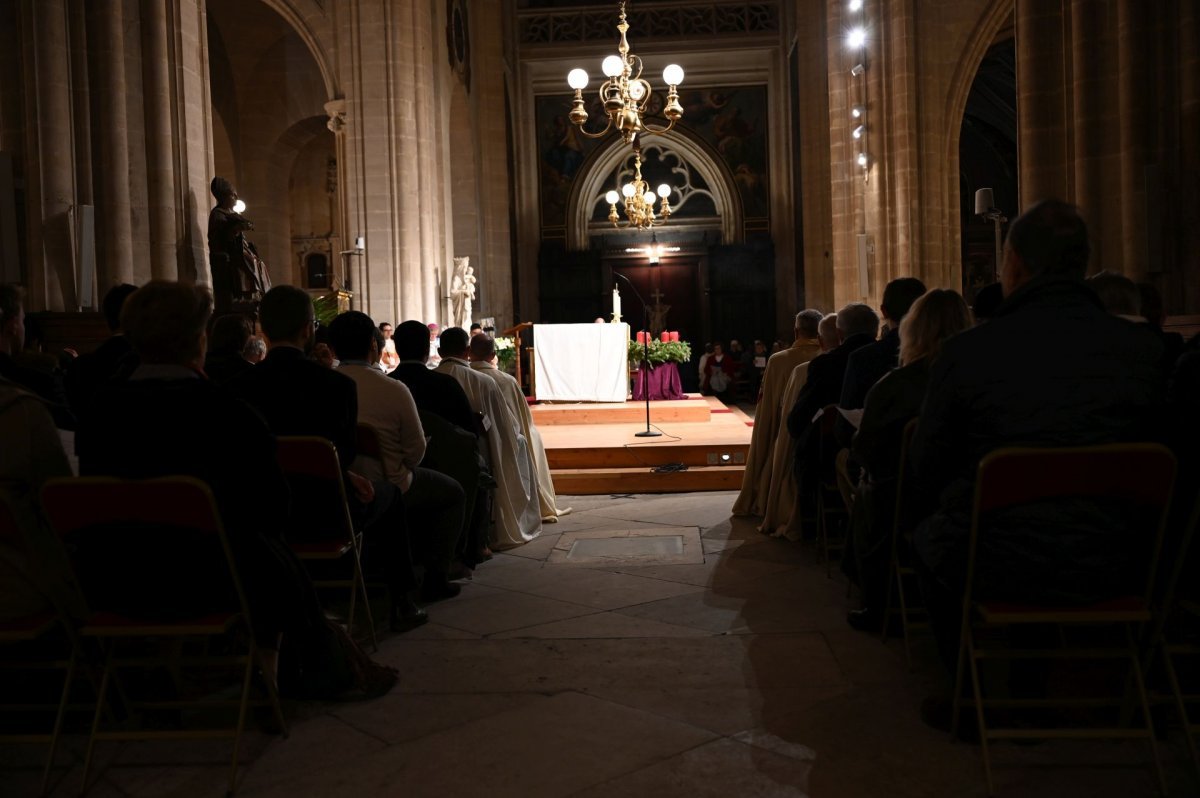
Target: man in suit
x: 112, y: 360
x: 868, y: 364
x: 1051, y: 368
x: 298, y: 396
x: 857, y: 326
x: 12, y: 343
x: 433, y: 391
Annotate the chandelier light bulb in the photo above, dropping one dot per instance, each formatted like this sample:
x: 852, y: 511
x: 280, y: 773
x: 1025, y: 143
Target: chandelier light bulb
x: 664, y: 190
x: 627, y: 189
x: 862, y: 159
x: 239, y: 207
x: 648, y: 197
x: 613, y: 66
x: 673, y: 75
x: 856, y: 5
x: 577, y: 79
x: 856, y: 38
x: 611, y: 197
x: 858, y: 131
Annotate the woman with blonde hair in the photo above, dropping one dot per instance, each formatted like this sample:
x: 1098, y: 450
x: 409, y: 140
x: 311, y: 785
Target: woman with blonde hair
x: 890, y: 405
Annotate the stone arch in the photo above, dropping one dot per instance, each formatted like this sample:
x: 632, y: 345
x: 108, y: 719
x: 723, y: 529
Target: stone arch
x: 981, y: 38
x: 599, y: 166
x: 297, y: 14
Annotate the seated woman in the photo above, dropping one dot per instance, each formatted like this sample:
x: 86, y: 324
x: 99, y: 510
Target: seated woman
x: 226, y: 357
x: 890, y: 405
x: 169, y: 420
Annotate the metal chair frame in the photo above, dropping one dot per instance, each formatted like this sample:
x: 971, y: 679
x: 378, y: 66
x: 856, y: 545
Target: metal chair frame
x: 897, y: 571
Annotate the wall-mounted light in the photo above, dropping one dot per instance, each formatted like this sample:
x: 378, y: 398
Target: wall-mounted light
x: 858, y: 131
x: 863, y: 160
x: 855, y: 5
x: 857, y: 70
x: 856, y: 39
x: 857, y: 111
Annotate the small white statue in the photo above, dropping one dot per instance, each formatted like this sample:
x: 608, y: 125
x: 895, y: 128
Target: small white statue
x: 462, y: 292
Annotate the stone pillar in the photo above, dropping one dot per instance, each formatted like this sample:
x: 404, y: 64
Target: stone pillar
x: 160, y: 138
x: 114, y: 230
x: 50, y: 156
x: 1041, y: 106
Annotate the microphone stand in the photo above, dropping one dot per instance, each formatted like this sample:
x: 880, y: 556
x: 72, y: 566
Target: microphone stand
x: 648, y: 433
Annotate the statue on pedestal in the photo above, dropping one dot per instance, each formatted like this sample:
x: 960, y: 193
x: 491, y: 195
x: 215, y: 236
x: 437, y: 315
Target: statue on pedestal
x: 462, y: 292
x: 239, y: 275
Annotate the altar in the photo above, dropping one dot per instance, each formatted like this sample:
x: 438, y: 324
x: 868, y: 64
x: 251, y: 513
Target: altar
x: 581, y: 362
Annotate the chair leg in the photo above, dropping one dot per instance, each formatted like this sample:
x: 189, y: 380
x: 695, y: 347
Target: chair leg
x: 360, y: 584
x: 248, y: 672
x: 1181, y: 707
x: 976, y: 688
x: 956, y: 706
x: 101, y: 697
x: 272, y: 691
x: 903, y: 617
x: 58, y: 717
x: 1134, y: 660
x: 892, y: 578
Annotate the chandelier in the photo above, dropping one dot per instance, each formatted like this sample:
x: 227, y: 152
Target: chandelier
x: 639, y: 200
x: 626, y: 94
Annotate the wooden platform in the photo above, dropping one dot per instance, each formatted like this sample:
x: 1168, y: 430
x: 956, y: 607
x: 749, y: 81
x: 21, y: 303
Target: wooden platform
x: 592, y: 448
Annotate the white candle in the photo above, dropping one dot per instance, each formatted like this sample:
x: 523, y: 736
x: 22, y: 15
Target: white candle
x: 616, y: 302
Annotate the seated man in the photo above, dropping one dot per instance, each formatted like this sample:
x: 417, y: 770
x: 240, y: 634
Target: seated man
x: 168, y: 420
x: 113, y: 359
x: 298, y: 396
x: 433, y: 391
x: 433, y: 502
x: 517, y: 509
x: 868, y: 364
x: 857, y: 325
x: 483, y: 360
x: 1050, y: 368
x: 12, y: 342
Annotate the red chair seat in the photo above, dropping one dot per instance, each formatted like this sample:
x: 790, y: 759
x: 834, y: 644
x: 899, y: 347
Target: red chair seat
x: 1115, y: 610
x: 28, y: 628
x: 111, y: 624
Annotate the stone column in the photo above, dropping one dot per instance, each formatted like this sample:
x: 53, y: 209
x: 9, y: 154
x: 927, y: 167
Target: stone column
x: 51, y: 157
x: 160, y: 138
x: 114, y: 230
x: 1041, y: 105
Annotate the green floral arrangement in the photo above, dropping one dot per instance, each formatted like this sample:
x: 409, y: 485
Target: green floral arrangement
x: 325, y: 307
x: 506, y: 353
x: 660, y: 352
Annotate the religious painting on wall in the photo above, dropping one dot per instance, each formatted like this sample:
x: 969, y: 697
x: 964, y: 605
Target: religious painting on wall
x: 731, y: 120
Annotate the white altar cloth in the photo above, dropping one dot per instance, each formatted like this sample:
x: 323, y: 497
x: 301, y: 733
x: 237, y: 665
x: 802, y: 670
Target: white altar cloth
x: 581, y: 362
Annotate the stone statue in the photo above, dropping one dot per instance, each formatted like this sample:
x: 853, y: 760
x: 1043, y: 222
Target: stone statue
x: 462, y: 292
x: 239, y: 275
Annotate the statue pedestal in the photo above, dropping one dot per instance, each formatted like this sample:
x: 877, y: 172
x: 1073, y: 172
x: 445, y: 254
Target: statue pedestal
x: 343, y: 300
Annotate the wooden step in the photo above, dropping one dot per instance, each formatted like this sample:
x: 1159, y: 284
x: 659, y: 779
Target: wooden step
x: 647, y: 456
x: 666, y: 412
x: 597, y: 481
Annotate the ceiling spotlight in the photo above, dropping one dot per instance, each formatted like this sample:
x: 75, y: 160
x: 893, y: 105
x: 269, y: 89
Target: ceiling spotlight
x: 857, y: 70
x: 857, y: 111
x: 858, y: 131
x: 856, y: 5
x: 862, y: 160
x: 856, y: 38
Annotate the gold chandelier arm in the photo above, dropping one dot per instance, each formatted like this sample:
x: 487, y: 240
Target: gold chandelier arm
x: 599, y: 135
x: 652, y: 129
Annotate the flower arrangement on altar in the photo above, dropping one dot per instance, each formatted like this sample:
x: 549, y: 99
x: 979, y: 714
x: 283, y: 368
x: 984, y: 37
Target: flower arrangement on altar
x: 506, y: 353
x: 667, y: 349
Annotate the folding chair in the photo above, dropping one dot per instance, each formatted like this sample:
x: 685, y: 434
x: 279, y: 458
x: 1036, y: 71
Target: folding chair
x: 1142, y: 475
x: 312, y: 468
x: 829, y: 497
x: 32, y: 629
x: 112, y: 512
x: 898, y: 569
x: 1170, y: 643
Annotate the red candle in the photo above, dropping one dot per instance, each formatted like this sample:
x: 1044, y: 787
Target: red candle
x: 675, y: 335
x: 641, y: 337
x: 666, y: 336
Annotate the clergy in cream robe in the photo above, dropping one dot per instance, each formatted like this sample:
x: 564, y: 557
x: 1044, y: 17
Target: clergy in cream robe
x: 771, y: 414
x: 483, y: 351
x: 517, y: 509
x: 781, y: 513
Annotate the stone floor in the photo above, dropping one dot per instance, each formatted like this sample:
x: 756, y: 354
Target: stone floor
x: 733, y: 674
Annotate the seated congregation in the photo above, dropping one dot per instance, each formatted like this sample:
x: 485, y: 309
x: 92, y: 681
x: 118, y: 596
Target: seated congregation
x: 1020, y: 461
x: 326, y: 468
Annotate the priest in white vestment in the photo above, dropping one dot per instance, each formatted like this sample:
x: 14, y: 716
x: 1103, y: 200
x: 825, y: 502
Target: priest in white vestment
x: 771, y: 413
x: 781, y: 514
x: 517, y: 508
x: 483, y: 360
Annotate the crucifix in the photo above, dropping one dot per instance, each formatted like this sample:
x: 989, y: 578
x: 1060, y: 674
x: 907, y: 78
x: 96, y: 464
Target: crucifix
x: 658, y: 313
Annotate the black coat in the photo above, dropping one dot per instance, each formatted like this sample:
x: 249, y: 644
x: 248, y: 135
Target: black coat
x: 824, y: 384
x: 1052, y: 368
x: 112, y: 361
x: 298, y: 396
x: 437, y: 393
x: 864, y: 368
